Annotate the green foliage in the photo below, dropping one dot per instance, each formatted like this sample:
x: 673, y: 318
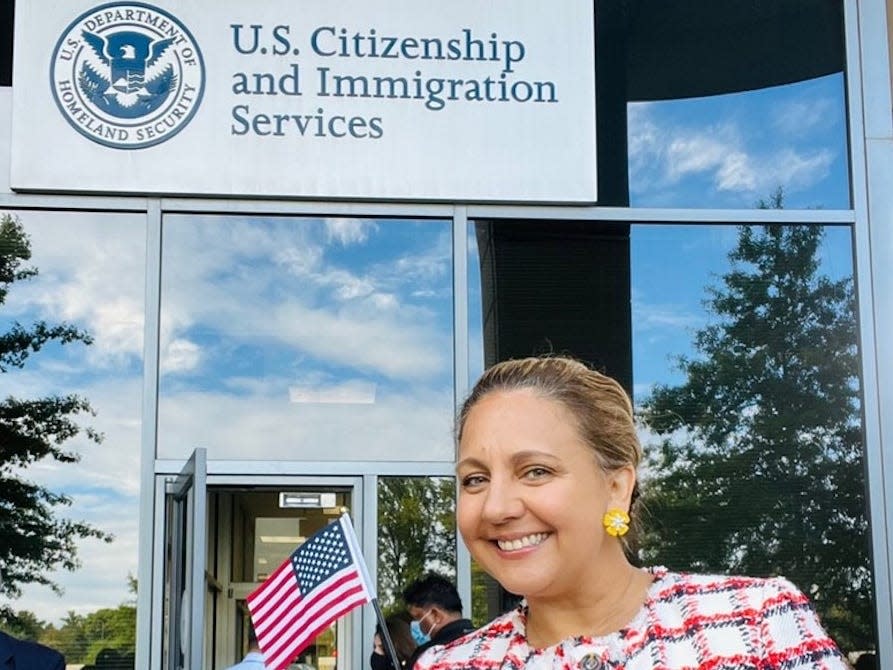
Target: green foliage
x: 81, y: 638
x: 481, y: 584
x: 759, y: 466
x: 416, y: 532
x: 33, y: 539
x: 24, y: 625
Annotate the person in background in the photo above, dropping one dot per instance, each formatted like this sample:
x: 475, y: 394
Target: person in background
x: 21, y: 655
x: 547, y: 460
x: 253, y: 660
x: 436, y: 609
x: 404, y: 644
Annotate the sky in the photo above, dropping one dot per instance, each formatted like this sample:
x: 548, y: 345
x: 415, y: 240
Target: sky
x: 273, y: 335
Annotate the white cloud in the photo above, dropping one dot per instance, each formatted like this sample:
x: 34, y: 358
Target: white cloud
x: 662, y: 317
x: 736, y: 173
x: 259, y: 285
x: 801, y: 169
x: 669, y: 160
x: 96, y: 286
x: 277, y: 285
x: 104, y: 489
x: 180, y: 355
x: 396, y: 426
x: 349, y: 231
x: 804, y: 116
x: 367, y: 337
x: 101, y: 581
x: 699, y: 151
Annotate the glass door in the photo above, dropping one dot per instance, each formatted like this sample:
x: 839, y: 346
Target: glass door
x: 186, y: 509
x: 257, y: 529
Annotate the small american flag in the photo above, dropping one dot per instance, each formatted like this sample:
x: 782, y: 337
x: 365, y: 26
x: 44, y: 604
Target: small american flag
x: 323, y: 579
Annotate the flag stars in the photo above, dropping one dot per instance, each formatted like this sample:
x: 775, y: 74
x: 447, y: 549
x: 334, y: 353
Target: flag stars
x: 320, y: 557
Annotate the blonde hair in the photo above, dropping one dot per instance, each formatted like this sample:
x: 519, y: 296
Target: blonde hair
x: 599, y: 404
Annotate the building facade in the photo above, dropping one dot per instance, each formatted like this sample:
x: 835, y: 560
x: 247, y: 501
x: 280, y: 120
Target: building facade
x: 297, y: 240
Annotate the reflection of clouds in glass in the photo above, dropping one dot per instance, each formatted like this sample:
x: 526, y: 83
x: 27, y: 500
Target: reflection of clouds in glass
x: 798, y: 170
x: 263, y: 282
x: 103, y: 485
x: 303, y: 341
x: 659, y: 317
x: 91, y: 273
x: 372, y: 337
x: 805, y: 117
x: 271, y: 426
x: 301, y: 262
x: 731, y: 150
x: 101, y: 581
x: 349, y: 231
x: 699, y: 150
x: 354, y: 287
x: 432, y: 265
x: 721, y: 153
x: 180, y: 355
x: 349, y: 392
x: 93, y: 278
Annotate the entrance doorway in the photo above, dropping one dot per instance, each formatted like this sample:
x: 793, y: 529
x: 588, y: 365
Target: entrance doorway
x: 257, y: 530
x: 223, y: 536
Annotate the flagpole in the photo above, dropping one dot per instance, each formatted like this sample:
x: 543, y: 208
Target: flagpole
x: 386, y: 636
x: 354, y: 544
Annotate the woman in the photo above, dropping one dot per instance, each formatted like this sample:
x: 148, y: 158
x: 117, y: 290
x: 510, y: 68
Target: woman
x: 547, y: 457
x: 404, y: 644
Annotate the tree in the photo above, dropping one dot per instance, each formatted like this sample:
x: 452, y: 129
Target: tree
x: 759, y: 468
x: 417, y: 531
x: 34, y: 540
x: 24, y: 625
x: 84, y: 638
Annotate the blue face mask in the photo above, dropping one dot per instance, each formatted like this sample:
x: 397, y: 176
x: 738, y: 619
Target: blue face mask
x: 415, y: 629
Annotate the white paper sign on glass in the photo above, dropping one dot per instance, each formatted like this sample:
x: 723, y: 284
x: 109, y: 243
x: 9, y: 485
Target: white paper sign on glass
x: 382, y: 99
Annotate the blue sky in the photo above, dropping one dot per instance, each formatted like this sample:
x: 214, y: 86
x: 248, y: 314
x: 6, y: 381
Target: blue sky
x: 245, y: 304
x: 727, y: 151
x: 730, y: 151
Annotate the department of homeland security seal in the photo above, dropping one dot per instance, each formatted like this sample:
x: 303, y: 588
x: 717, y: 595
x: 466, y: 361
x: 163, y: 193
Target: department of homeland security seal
x: 127, y: 75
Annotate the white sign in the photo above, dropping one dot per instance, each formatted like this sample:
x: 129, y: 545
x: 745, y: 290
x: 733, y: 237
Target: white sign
x: 383, y: 99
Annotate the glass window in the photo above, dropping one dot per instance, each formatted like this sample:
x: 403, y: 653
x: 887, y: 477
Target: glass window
x: 306, y: 339
x: 745, y: 375
x: 727, y: 101
x: 727, y: 151
x: 90, y: 276
x: 416, y: 533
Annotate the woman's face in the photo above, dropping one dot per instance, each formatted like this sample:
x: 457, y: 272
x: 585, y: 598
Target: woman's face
x: 532, y: 496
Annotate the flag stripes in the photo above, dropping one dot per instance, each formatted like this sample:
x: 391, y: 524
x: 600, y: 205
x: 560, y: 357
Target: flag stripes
x: 288, y: 614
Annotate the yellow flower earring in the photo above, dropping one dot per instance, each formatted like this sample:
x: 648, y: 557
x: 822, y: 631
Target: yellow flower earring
x: 616, y: 522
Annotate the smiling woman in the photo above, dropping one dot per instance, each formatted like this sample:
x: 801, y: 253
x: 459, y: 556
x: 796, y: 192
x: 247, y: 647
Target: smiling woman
x: 547, y: 470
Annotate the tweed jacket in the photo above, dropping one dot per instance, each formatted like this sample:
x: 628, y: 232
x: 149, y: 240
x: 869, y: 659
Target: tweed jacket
x: 688, y: 622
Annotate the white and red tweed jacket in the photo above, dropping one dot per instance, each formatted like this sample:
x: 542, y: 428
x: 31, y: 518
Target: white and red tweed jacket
x: 688, y: 622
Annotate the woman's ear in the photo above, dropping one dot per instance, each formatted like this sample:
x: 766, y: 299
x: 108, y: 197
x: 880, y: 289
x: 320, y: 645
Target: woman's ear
x: 621, y: 483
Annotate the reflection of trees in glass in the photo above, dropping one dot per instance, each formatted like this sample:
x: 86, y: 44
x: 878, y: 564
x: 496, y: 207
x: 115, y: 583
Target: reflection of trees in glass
x: 24, y: 625
x: 759, y: 468
x: 33, y: 539
x: 107, y: 632
x: 416, y: 531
